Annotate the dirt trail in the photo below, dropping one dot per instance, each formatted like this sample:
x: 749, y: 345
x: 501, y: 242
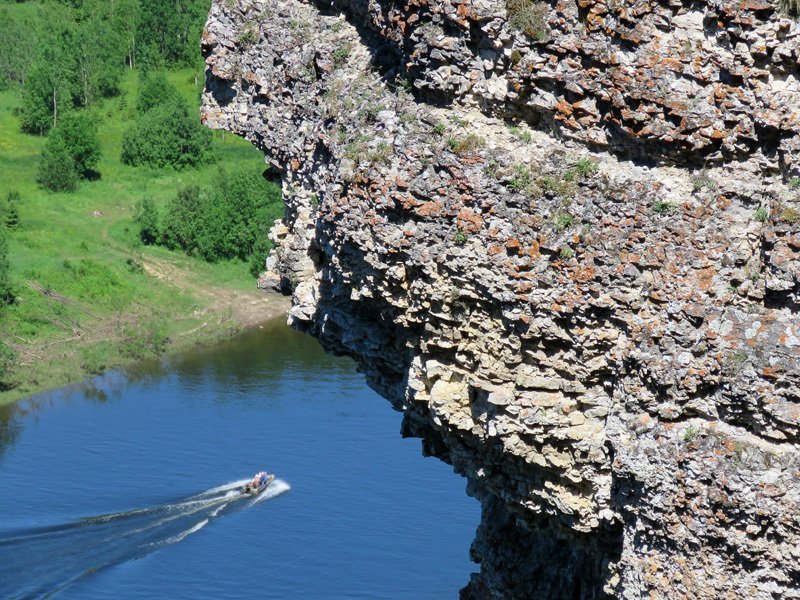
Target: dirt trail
x: 246, y: 307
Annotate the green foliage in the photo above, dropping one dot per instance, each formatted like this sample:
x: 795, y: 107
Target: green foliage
x: 563, y: 220
x: 79, y: 58
x: 794, y: 183
x: 439, y: 128
x: 17, y: 48
x: 8, y: 359
x: 690, y: 434
x: 146, y: 218
x: 12, y: 211
x: 57, y: 171
x: 566, y: 252
x: 586, y: 167
x: 466, y: 145
x: 229, y: 221
x: 51, y: 85
x: 71, y: 153
x: 167, y: 136
x: 79, y: 134
x: 156, y: 90
x: 522, y: 178
x: 168, y: 31
x: 664, y: 206
x: 703, y: 181
x: 760, y: 214
x: 6, y: 291
x: 460, y: 237
x: 248, y: 37
x: 528, y: 16
x: 340, y: 54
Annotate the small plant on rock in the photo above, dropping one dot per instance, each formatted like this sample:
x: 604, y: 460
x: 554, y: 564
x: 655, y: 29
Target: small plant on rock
x: 760, y: 214
x: 586, y: 167
x: 664, y: 206
x: 528, y: 16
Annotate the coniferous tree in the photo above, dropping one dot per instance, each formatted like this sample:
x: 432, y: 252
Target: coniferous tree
x: 12, y: 210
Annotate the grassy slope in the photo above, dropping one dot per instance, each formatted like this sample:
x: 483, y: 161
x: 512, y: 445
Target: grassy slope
x: 104, y: 312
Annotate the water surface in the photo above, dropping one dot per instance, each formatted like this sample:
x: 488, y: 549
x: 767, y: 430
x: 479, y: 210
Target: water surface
x: 127, y: 486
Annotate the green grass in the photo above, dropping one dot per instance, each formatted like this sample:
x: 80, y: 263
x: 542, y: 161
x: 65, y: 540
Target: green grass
x: 83, y: 305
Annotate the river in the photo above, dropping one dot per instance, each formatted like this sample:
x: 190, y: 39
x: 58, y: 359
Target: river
x: 126, y: 486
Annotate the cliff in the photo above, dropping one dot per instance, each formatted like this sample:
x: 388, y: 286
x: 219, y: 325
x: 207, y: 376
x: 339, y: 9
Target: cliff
x: 564, y: 240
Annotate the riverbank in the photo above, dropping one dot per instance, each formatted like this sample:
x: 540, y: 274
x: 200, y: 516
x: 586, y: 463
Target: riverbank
x: 89, y: 296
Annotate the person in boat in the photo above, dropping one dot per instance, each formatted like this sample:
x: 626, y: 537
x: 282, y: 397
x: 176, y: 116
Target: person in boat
x: 258, y: 480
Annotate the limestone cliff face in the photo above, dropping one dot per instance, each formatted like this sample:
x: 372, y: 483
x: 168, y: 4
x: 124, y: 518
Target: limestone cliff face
x: 564, y: 240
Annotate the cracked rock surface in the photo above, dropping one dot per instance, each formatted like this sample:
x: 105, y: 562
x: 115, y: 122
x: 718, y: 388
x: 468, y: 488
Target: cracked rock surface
x: 568, y: 250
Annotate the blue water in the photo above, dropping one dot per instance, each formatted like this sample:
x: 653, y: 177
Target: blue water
x: 356, y: 511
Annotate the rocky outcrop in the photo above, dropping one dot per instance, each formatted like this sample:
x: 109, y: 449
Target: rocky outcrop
x: 564, y: 240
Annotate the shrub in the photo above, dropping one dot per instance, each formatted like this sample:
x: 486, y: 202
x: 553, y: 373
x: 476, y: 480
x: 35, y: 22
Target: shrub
x: 563, y: 220
x: 586, y: 167
x: 8, y: 359
x: 57, y: 171
x: 167, y: 136
x: 79, y: 133
x: 340, y: 54
x: 760, y: 214
x: 6, y: 291
x: 460, y: 237
x: 466, y: 145
x: 146, y: 218
x: 528, y: 16
x: 663, y: 206
x: 156, y: 90
x: 229, y: 221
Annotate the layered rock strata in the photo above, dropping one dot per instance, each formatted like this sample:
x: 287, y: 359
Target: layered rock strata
x: 564, y: 240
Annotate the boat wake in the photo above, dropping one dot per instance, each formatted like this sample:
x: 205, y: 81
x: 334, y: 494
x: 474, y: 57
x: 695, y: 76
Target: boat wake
x: 38, y: 562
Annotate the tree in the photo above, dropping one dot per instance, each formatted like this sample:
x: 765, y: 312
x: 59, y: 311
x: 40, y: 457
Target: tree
x: 79, y: 133
x: 147, y: 219
x: 182, y: 220
x: 167, y: 136
x: 50, y: 86
x: 12, y: 210
x: 169, y: 30
x: 17, y: 48
x: 6, y: 291
x: 57, y: 170
x: 156, y: 90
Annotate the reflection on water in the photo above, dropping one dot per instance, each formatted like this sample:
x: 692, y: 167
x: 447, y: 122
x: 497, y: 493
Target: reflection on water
x: 368, y: 517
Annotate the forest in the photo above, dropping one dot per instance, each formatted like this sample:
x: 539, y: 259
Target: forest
x: 110, y: 178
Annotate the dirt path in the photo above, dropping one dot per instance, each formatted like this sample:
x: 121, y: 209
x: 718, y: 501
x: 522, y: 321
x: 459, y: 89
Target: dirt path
x: 246, y: 307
